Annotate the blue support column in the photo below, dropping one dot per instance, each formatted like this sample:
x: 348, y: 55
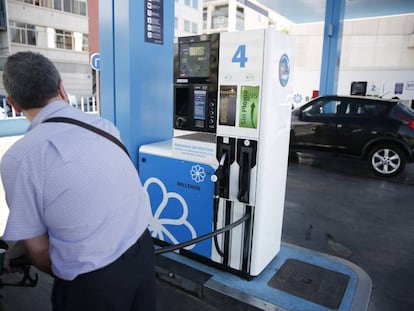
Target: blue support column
x: 107, y: 61
x: 332, y: 41
x: 136, y: 76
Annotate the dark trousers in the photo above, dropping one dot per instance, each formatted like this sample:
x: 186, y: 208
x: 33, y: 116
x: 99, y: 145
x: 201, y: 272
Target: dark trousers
x: 126, y: 284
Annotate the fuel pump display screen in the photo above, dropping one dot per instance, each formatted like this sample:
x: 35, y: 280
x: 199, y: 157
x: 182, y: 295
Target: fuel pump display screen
x: 200, y: 100
x: 194, y: 60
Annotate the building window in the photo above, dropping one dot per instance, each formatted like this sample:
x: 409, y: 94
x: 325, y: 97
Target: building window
x: 23, y: 33
x: 219, y: 17
x: 240, y: 18
x: 67, y: 6
x: 49, y: 37
x: 194, y: 28
x: 85, y: 43
x: 187, y: 2
x: 71, y: 6
x: 59, y: 39
x: 187, y: 26
x: 47, y: 3
x: 204, y: 18
x: 195, y: 4
x: 79, y: 7
x: 57, y: 4
x: 63, y: 39
x: 3, y: 17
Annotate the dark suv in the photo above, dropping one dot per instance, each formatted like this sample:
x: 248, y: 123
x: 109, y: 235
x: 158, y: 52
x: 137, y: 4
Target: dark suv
x: 381, y: 131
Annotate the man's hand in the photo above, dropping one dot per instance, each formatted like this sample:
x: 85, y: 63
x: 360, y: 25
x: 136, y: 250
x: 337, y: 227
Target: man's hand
x: 15, y: 251
x: 36, y: 249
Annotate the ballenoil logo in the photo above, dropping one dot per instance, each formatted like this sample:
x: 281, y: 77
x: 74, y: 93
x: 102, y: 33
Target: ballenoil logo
x: 171, y: 213
x: 284, y: 70
x: 198, y: 174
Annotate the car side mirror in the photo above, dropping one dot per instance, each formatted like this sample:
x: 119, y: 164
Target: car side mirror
x: 298, y: 113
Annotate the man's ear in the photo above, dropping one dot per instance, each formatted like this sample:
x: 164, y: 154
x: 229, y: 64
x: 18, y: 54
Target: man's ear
x: 13, y: 104
x: 62, y: 92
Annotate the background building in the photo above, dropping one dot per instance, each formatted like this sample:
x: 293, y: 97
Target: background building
x: 57, y: 29
x: 188, y: 17
x: 379, y: 51
x: 238, y: 15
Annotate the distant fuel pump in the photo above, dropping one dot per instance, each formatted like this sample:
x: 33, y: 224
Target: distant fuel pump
x: 217, y: 189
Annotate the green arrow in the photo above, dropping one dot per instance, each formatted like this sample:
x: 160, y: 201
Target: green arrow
x: 252, y: 107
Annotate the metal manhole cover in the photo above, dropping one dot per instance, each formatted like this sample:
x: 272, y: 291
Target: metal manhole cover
x: 310, y: 282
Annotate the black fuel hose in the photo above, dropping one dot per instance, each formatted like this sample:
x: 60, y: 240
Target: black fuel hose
x: 167, y: 249
x: 215, y: 216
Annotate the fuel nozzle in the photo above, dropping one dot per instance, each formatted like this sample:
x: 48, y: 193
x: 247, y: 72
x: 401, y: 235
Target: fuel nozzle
x: 246, y: 158
x: 219, y: 177
x: 225, y: 152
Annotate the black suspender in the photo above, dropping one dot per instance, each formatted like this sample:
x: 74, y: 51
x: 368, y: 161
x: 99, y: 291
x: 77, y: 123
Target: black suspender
x: 91, y: 128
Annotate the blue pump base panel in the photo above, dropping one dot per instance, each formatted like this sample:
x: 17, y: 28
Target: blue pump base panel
x: 228, y: 291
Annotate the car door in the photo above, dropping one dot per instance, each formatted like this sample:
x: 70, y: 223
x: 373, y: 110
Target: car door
x: 361, y: 123
x: 314, y: 125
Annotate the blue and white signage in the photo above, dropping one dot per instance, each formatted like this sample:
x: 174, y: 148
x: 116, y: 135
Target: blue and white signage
x: 410, y: 85
x: 154, y: 21
x: 181, y: 197
x: 95, y: 61
x: 284, y: 70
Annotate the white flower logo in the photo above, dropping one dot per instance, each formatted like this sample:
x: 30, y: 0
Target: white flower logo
x: 157, y: 224
x: 197, y: 173
x: 297, y: 98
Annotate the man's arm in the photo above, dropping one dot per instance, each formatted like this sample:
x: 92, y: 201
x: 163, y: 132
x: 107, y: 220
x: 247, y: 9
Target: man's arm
x: 37, y: 249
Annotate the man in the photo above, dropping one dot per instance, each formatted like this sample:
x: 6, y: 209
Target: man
x: 77, y: 206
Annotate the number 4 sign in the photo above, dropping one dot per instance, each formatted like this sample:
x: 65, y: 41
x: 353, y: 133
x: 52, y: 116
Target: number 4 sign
x: 241, y: 57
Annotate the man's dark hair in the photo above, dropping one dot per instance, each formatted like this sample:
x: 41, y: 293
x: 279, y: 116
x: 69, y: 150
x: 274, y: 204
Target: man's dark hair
x: 30, y: 79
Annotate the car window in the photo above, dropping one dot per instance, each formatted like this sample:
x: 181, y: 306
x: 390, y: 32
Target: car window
x: 325, y: 107
x: 356, y: 108
x: 364, y: 108
x: 374, y: 109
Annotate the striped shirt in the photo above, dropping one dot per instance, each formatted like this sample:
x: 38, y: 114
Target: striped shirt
x: 76, y: 186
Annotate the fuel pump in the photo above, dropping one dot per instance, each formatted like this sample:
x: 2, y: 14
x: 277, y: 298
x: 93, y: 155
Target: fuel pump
x: 217, y: 188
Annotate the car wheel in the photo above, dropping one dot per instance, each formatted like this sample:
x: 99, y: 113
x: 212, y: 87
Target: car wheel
x: 386, y: 160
